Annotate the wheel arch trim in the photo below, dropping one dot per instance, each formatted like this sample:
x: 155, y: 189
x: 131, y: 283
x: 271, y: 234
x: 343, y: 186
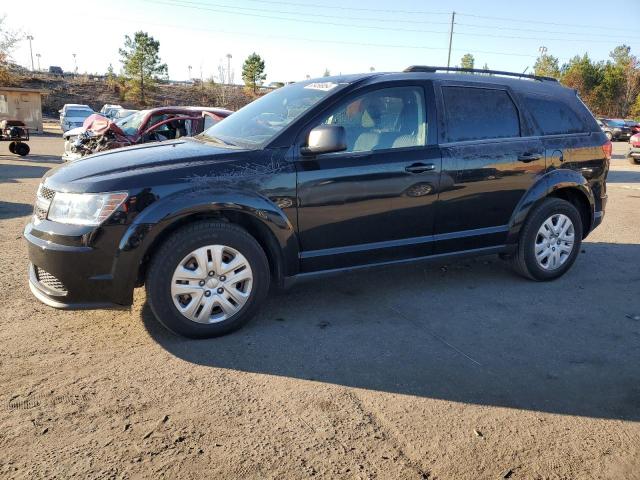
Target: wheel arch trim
x: 550, y: 185
x: 163, y: 217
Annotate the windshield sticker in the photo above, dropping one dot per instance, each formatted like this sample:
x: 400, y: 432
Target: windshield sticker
x: 324, y: 86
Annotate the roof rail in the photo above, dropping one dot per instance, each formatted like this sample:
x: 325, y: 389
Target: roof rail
x: 425, y: 68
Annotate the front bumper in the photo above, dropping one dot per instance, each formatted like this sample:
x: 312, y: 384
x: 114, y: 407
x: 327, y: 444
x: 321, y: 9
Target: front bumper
x: 634, y: 152
x: 66, y: 273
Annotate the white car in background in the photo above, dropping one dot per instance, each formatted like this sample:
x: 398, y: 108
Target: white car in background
x: 72, y: 115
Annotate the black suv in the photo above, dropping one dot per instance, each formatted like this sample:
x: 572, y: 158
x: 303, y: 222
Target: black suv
x: 319, y: 177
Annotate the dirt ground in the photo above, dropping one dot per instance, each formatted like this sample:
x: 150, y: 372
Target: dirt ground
x: 444, y: 371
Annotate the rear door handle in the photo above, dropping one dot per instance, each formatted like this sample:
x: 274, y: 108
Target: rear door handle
x: 529, y: 157
x: 420, y: 168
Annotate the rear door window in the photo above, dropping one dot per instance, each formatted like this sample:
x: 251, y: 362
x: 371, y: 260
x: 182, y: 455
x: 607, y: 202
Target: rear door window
x: 479, y: 114
x: 554, y: 116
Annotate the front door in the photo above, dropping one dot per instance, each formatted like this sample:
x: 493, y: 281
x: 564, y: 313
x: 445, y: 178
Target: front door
x: 375, y: 201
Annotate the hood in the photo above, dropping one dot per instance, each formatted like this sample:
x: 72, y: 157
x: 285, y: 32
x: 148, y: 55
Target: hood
x: 122, y: 168
x: 73, y: 132
x: 99, y: 124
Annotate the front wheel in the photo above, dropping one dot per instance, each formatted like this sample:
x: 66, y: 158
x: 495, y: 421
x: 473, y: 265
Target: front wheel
x: 207, y: 279
x: 609, y: 136
x: 549, y: 240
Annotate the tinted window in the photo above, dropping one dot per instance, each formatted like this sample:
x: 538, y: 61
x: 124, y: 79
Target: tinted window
x: 554, y: 116
x: 381, y: 119
x: 479, y: 113
x: 79, y: 113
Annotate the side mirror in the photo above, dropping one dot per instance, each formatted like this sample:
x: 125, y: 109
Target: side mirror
x: 326, y: 139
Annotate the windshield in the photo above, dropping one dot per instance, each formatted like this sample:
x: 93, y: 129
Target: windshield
x: 256, y: 124
x: 131, y: 124
x: 615, y: 123
x: 78, y: 113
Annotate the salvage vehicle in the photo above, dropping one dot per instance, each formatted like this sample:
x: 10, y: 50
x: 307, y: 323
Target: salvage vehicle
x: 323, y: 177
x: 73, y: 115
x: 633, y: 155
x: 99, y: 133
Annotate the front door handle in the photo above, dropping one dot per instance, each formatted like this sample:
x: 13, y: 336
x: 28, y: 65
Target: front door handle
x: 420, y: 168
x: 529, y: 157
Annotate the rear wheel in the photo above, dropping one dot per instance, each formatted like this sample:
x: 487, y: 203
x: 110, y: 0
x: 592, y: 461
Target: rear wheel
x: 549, y: 241
x: 22, y: 149
x: 632, y: 160
x: 12, y: 147
x: 207, y: 279
x: 609, y: 135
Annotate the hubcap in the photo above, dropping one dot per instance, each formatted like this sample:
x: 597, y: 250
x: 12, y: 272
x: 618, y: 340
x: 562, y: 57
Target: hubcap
x: 554, y: 241
x: 211, y: 284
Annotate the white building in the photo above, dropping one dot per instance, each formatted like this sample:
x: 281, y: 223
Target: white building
x: 23, y: 104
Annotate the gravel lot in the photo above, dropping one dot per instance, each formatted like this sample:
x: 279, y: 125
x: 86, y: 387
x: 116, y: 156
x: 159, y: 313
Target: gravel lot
x: 452, y: 371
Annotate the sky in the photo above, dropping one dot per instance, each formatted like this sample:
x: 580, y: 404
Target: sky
x: 297, y: 38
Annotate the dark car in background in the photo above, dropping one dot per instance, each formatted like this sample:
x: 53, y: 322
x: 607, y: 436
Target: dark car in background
x: 614, y: 129
x: 323, y: 177
x: 634, y: 125
x: 99, y: 133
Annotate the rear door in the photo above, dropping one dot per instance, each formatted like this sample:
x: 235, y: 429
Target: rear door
x: 489, y: 160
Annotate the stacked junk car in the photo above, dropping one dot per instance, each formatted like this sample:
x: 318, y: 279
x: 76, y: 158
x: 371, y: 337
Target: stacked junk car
x: 99, y: 133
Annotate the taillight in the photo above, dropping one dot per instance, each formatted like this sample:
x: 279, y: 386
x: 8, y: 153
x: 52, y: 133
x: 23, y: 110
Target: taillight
x: 607, y: 149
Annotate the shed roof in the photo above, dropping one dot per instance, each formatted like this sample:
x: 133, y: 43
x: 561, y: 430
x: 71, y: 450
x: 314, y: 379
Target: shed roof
x: 23, y: 90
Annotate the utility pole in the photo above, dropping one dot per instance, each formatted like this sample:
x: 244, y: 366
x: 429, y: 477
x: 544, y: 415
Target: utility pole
x: 75, y: 65
x: 229, y: 68
x: 189, y: 67
x: 453, y: 17
x: 38, y: 56
x: 30, y: 37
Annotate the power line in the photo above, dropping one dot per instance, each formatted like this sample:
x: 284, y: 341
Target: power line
x: 207, y: 5
x: 274, y: 17
x: 537, y: 30
x: 313, y: 40
x: 197, y: 6
x: 359, y: 9
x: 423, y: 12
x: 557, y: 24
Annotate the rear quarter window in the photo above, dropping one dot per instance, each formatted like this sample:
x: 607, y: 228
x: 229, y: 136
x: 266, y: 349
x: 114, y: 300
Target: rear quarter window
x: 479, y: 113
x: 554, y: 116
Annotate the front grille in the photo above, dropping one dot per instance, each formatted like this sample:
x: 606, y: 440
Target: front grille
x: 46, y: 193
x: 43, y: 200
x: 48, y: 280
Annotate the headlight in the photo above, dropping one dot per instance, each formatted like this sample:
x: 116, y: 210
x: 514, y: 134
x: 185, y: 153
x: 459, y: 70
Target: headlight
x: 84, y: 208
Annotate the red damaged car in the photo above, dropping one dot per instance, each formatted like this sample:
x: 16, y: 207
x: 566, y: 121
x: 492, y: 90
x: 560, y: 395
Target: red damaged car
x: 166, y: 123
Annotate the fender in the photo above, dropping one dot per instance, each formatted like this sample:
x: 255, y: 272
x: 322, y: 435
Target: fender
x: 163, y: 214
x: 545, y: 186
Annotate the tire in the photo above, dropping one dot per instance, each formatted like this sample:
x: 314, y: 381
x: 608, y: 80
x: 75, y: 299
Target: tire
x: 632, y: 160
x: 12, y: 147
x: 169, y: 261
x: 531, y: 241
x: 609, y: 136
x: 22, y: 149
